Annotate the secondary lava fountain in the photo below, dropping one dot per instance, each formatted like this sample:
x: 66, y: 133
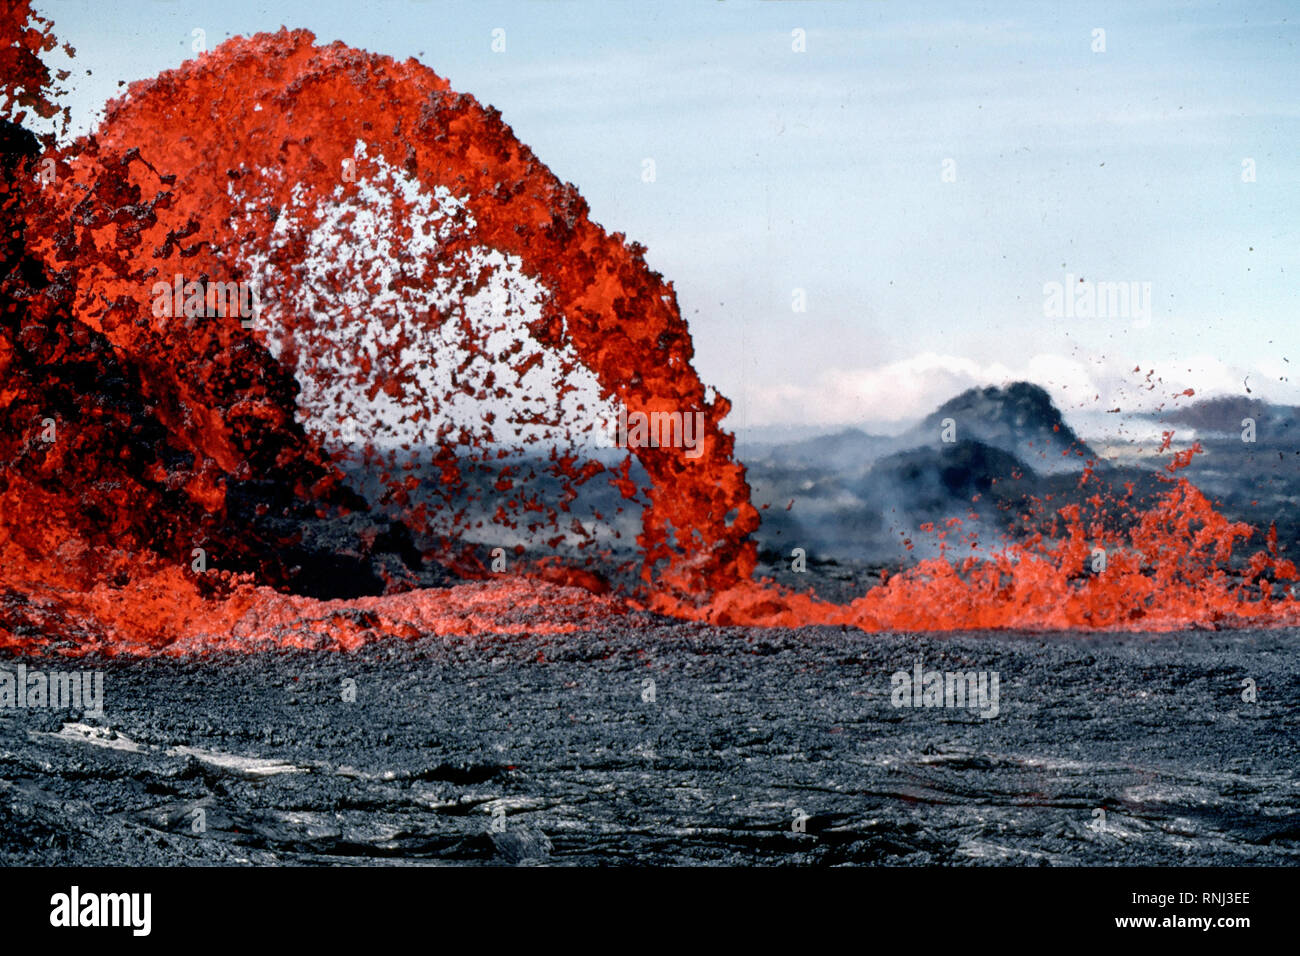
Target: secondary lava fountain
x: 427, y: 285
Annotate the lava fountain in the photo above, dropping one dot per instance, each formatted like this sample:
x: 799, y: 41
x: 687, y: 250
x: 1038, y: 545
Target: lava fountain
x: 433, y: 307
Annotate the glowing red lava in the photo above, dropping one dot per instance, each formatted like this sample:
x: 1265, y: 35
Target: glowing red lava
x: 369, y: 204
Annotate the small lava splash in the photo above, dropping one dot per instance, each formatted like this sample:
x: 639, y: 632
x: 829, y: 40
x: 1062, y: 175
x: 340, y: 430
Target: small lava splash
x: 288, y: 287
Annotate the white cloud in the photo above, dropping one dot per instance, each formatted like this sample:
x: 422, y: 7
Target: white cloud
x: 885, y: 396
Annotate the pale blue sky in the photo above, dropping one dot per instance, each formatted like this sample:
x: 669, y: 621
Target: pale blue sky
x: 822, y: 170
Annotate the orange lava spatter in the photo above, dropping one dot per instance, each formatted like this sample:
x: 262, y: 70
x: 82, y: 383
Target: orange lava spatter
x: 371, y: 204
x: 1169, y: 571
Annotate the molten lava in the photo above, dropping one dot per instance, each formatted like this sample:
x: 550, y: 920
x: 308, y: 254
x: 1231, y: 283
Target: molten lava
x: 426, y: 282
